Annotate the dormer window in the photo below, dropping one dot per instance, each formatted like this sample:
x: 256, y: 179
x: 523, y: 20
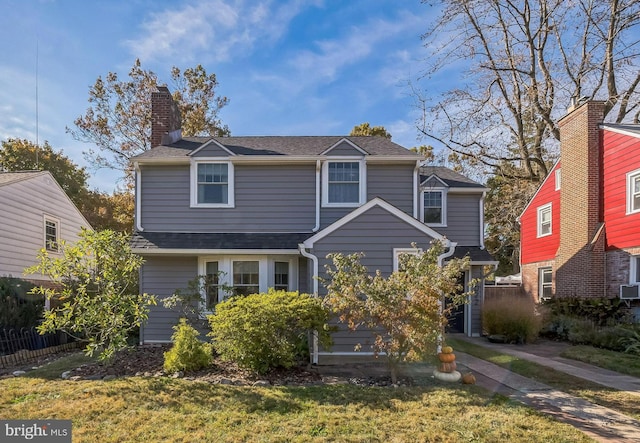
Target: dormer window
x: 212, y: 184
x: 343, y: 183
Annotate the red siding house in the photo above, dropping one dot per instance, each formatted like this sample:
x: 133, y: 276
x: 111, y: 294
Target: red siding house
x: 580, y: 233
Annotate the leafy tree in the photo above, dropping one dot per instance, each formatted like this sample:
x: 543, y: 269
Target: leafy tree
x: 522, y: 63
x: 109, y: 211
x: 23, y: 155
x: 366, y: 129
x: 118, y: 120
x: 96, y: 288
x: 404, y: 311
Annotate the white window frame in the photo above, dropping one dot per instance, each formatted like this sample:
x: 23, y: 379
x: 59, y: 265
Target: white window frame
x: 275, y: 262
x: 634, y: 266
x: 266, y: 269
x: 631, y: 177
x: 558, y: 179
x: 49, y: 219
x: 397, y: 252
x: 542, y: 284
x: 541, y: 209
x: 443, y: 218
x: 230, y: 183
x: 362, y: 175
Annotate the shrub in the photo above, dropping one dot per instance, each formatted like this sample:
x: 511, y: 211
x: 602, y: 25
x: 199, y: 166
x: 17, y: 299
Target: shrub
x: 515, y: 318
x: 19, y: 308
x: 263, y: 331
x: 601, y: 311
x: 187, y: 353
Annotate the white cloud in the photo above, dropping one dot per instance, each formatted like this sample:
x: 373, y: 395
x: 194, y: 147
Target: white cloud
x: 217, y: 28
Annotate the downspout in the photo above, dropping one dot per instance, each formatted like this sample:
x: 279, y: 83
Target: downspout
x: 482, y: 220
x: 139, y: 227
x: 452, y: 247
x: 416, y: 184
x: 314, y: 260
x: 318, y: 171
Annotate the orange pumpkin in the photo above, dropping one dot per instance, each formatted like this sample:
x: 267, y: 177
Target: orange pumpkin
x: 447, y: 367
x: 446, y: 358
x: 469, y: 379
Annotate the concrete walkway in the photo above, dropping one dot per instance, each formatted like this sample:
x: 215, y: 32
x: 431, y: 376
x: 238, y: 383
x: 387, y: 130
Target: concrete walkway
x: 600, y: 423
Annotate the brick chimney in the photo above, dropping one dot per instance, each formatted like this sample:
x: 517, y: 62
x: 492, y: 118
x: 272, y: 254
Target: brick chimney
x: 580, y: 260
x: 165, y: 118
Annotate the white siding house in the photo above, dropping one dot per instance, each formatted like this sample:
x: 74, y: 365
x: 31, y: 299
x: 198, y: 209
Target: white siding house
x: 34, y: 213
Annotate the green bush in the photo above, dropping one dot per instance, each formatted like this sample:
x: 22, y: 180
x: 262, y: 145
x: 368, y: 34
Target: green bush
x: 601, y: 311
x: 515, y: 318
x: 187, y: 353
x: 19, y: 308
x: 263, y: 331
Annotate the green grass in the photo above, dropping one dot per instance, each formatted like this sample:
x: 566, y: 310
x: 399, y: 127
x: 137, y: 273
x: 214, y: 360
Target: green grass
x: 617, y: 400
x: 162, y: 409
x: 616, y: 361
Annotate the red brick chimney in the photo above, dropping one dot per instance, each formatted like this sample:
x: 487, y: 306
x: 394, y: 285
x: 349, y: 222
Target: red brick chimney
x: 580, y: 260
x: 165, y: 118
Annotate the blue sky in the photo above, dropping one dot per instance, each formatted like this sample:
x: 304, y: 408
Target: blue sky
x: 289, y: 67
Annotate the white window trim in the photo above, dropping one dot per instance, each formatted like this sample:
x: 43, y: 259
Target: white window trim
x: 633, y: 269
x: 397, y: 252
x: 362, y: 176
x: 558, y: 179
x: 444, y: 193
x: 266, y: 268
x: 194, y: 183
x: 539, y: 220
x: 541, y: 281
x: 48, y: 218
x: 630, y: 178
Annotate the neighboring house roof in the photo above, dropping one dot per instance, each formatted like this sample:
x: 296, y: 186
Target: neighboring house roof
x: 279, y: 145
x: 632, y: 130
x: 449, y: 177
x: 13, y: 177
x: 149, y: 242
x: 476, y: 254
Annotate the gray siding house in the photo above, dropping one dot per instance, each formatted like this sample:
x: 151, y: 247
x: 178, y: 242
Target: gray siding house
x: 36, y: 214
x: 267, y: 210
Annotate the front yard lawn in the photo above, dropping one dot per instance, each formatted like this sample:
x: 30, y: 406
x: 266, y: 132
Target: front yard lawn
x: 153, y: 409
x: 616, y: 361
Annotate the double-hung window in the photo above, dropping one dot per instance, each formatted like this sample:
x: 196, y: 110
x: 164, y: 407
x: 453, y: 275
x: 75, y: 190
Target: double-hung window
x: 246, y: 277
x: 433, y: 208
x: 545, y: 279
x: 281, y: 276
x: 634, y: 270
x: 633, y: 192
x: 343, y: 183
x: 212, y: 184
x: 212, y: 284
x: 51, y: 234
x: 544, y: 220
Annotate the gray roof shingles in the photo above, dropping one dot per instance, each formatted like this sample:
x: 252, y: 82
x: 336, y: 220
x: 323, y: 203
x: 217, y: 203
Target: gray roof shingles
x: 279, y: 145
x: 451, y: 178
x: 239, y: 240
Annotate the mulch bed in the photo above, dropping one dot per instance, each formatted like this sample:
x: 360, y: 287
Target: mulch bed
x: 147, y: 361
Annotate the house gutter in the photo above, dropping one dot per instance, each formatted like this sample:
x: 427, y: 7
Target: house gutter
x: 136, y: 167
x: 318, y: 171
x: 314, y: 260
